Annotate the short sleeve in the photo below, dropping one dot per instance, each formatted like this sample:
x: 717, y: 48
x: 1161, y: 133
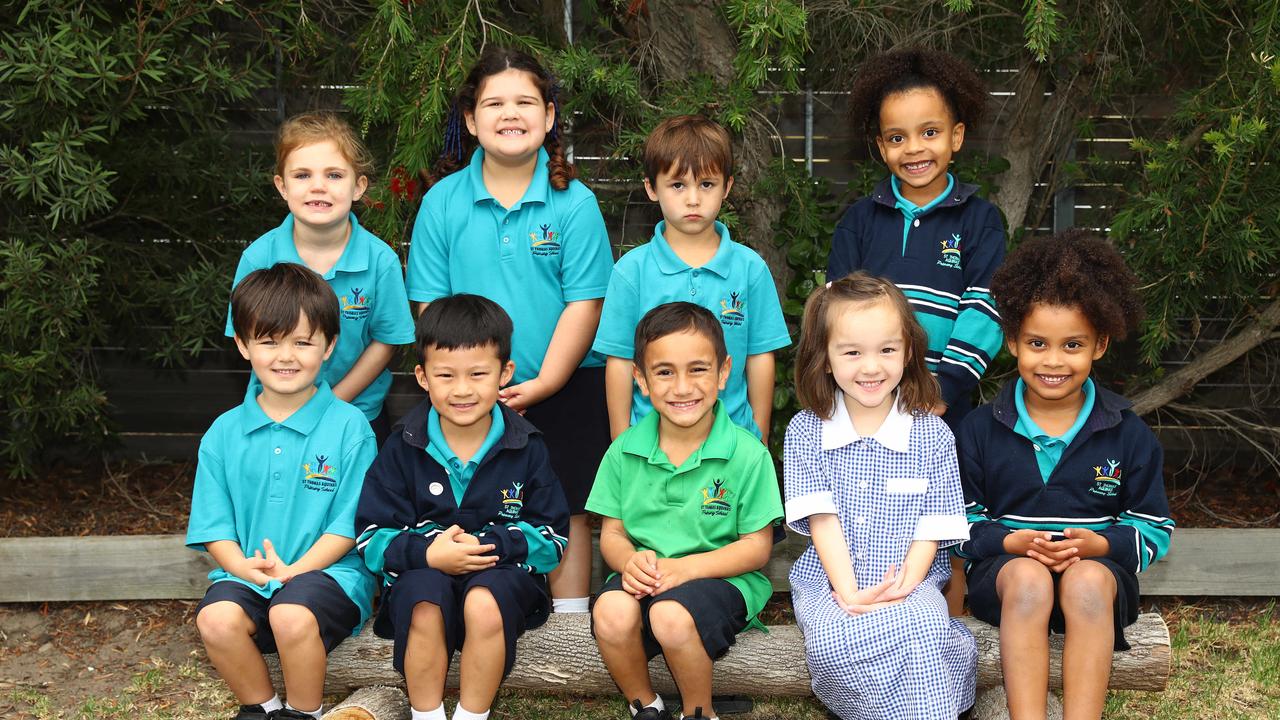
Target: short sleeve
x: 604, y: 498
x: 392, y: 323
x: 356, y: 462
x: 761, y: 504
x: 212, y: 515
x: 427, y: 272
x: 586, y: 258
x: 768, y: 328
x: 805, y: 482
x: 942, y: 517
x: 615, y: 336
x: 244, y: 267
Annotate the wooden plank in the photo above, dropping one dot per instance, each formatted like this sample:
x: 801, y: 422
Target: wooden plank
x: 99, y: 567
x: 1217, y: 561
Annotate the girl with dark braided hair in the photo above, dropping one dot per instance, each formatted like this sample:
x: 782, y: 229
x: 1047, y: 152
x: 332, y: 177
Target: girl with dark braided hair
x: 504, y: 218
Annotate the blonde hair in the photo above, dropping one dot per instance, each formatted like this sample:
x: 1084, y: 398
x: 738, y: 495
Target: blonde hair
x: 918, y: 391
x: 313, y: 127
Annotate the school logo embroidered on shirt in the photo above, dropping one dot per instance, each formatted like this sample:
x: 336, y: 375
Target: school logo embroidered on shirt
x: 544, y: 241
x: 713, y: 499
x: 951, y: 252
x: 354, y: 306
x: 733, y: 311
x: 319, y: 476
x: 512, y: 501
x: 1106, y: 481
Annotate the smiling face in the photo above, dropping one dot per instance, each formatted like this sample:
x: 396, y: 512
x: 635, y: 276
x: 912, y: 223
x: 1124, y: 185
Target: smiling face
x: 320, y: 184
x: 918, y: 136
x: 690, y: 202
x: 463, y: 383
x: 682, y: 378
x: 1055, y: 349
x: 287, y: 364
x: 511, y: 119
x: 866, y: 354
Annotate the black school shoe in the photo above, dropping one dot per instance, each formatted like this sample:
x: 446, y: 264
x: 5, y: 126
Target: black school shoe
x: 649, y: 713
x: 252, y: 712
x: 697, y: 714
x: 290, y: 714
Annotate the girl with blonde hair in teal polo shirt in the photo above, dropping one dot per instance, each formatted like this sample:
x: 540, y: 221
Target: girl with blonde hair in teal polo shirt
x: 514, y: 226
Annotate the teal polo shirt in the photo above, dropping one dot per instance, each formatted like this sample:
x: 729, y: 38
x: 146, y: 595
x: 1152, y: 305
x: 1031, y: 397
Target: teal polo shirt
x: 533, y: 258
x: 735, y: 285
x: 460, y: 473
x: 369, y: 285
x: 1048, y: 448
x: 724, y: 490
x: 290, y: 482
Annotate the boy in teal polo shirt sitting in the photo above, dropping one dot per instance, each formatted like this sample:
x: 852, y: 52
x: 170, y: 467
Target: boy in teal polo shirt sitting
x: 688, y: 165
x: 274, y: 502
x: 690, y: 503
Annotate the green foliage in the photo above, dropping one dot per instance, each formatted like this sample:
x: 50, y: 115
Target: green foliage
x: 1041, y: 19
x: 771, y: 33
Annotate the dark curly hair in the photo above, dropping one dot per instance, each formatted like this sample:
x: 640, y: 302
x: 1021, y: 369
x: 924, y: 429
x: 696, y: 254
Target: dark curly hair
x: 1073, y: 268
x: 458, y: 143
x: 910, y: 69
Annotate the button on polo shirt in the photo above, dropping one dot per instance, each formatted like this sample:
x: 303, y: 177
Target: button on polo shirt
x: 372, y: 305
x: 725, y: 489
x: 460, y: 473
x: 1049, y: 448
x: 544, y: 252
x: 246, y: 491
x: 735, y: 285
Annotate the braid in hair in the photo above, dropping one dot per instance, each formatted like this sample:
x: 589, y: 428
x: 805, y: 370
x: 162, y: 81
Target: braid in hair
x: 559, y: 170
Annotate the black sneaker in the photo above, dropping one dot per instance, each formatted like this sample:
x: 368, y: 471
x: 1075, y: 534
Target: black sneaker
x: 287, y: 713
x: 697, y: 714
x: 252, y: 712
x: 649, y: 713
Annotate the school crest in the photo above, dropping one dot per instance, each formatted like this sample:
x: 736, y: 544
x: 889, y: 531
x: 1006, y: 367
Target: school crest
x: 318, y: 476
x: 715, y: 501
x: 733, y: 310
x: 545, y: 241
x: 1106, y: 481
x: 950, y: 252
x: 355, y: 305
x: 512, y: 501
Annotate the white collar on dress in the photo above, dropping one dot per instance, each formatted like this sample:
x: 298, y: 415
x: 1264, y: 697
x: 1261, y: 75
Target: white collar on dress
x: 894, y: 432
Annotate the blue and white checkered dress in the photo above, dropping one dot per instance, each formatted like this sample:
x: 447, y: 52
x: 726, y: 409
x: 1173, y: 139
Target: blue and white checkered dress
x: 909, y: 660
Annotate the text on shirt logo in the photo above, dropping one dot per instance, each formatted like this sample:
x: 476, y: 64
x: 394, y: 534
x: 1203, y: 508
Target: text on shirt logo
x: 950, y: 252
x: 319, y: 479
x: 1106, y: 481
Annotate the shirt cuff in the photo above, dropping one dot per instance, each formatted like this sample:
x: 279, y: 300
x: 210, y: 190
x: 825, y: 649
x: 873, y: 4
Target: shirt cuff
x: 942, y: 527
x: 799, y: 508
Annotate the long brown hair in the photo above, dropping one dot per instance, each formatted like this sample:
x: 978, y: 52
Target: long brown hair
x: 918, y: 391
x: 458, y: 143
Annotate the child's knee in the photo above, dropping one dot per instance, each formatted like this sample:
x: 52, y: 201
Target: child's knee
x: 1088, y: 590
x: 615, y: 617
x: 221, y: 622
x: 1026, y: 587
x: 481, y: 613
x: 292, y: 623
x: 426, y: 619
x: 672, y: 624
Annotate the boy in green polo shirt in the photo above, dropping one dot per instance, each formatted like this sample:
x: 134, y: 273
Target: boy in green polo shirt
x: 689, y: 502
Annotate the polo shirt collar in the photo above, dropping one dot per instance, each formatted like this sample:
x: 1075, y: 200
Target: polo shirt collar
x: 355, y: 256
x: 302, y: 421
x: 538, y: 186
x: 884, y: 194
x: 910, y: 209
x: 671, y: 264
x: 438, y: 446
x: 642, y: 439
x: 894, y: 433
x: 1027, y: 427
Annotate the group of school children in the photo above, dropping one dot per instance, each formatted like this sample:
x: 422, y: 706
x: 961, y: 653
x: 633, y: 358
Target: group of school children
x: 558, y: 383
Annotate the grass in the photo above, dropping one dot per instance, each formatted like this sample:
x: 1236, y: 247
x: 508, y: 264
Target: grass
x: 1223, y: 668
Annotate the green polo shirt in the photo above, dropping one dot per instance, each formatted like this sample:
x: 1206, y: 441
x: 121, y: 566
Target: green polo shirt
x: 726, y: 489
x: 1048, y: 448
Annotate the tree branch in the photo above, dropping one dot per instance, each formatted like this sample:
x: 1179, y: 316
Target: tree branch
x: 1179, y: 383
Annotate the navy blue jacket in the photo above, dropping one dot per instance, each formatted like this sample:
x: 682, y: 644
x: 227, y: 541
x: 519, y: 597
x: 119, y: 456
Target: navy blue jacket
x: 942, y: 259
x: 1110, y: 479
x: 513, y: 501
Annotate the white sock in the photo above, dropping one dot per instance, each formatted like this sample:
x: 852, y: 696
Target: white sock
x: 272, y: 704
x: 713, y: 717
x: 570, y: 605
x: 657, y: 704
x: 313, y: 713
x: 437, y: 714
x: 461, y: 713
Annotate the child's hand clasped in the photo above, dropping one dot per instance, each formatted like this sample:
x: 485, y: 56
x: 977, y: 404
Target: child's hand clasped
x: 456, y: 553
x: 1057, y: 555
x: 640, y: 575
x: 891, y: 590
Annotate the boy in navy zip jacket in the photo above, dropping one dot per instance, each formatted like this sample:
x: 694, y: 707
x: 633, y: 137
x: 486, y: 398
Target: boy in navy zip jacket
x: 1063, y: 482
x: 461, y: 515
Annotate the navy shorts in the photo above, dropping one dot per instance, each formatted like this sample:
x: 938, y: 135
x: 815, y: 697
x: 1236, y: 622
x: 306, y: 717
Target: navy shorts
x: 336, y: 615
x: 717, y: 608
x: 521, y: 596
x: 985, y: 604
x: 575, y: 426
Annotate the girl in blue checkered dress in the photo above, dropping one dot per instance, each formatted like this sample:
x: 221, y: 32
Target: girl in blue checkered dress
x: 871, y: 476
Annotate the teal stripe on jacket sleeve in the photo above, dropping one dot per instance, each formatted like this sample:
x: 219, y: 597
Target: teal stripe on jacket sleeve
x: 1156, y: 533
x: 545, y: 547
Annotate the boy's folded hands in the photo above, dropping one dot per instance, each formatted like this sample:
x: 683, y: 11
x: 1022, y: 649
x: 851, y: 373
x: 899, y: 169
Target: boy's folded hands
x: 456, y: 552
x: 1057, y: 551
